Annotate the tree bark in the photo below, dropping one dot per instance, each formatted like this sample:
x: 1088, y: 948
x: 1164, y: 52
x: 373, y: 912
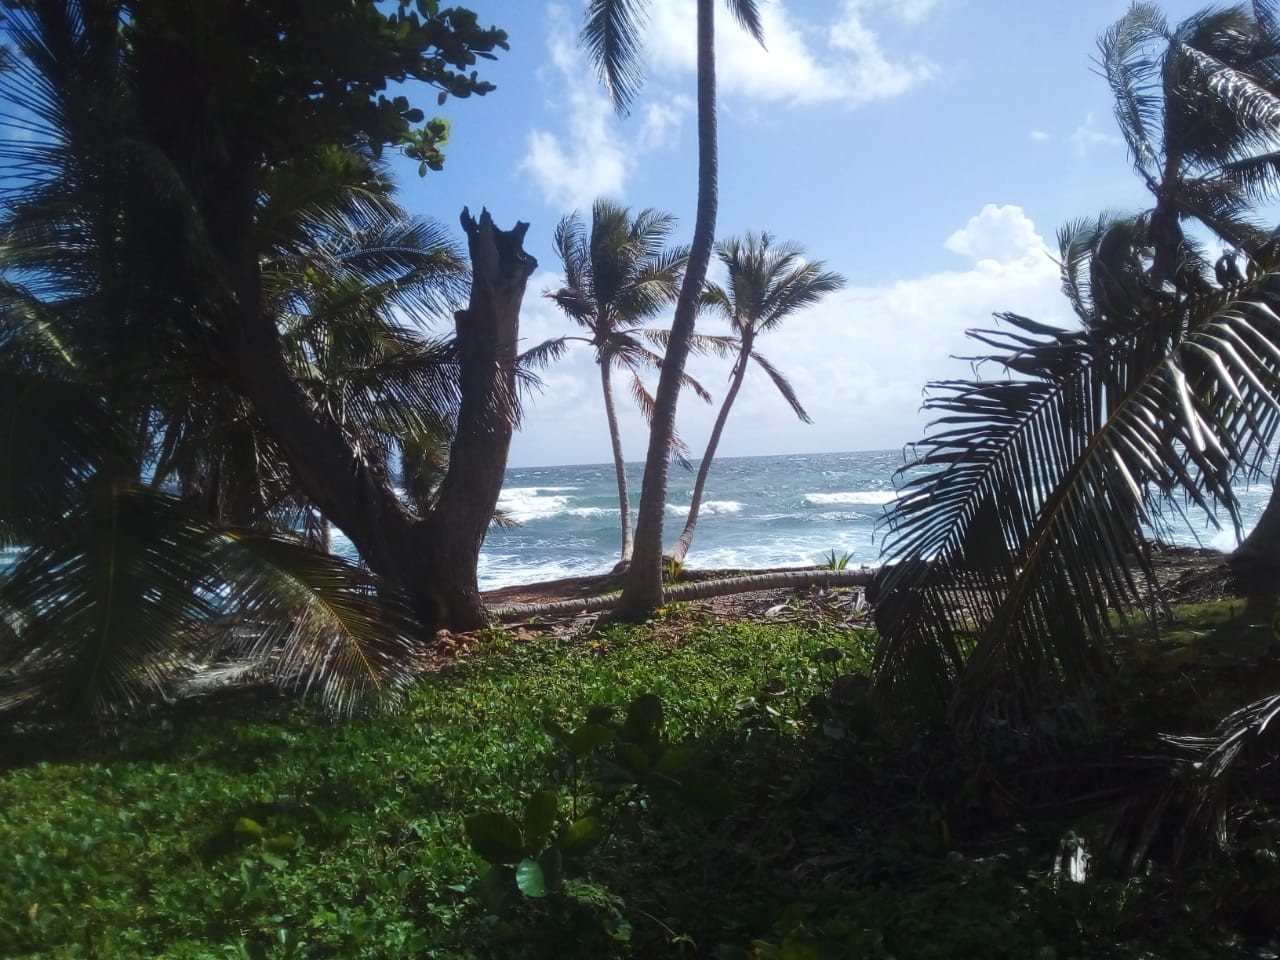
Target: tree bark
x: 642, y: 589
x: 619, y: 466
x: 786, y: 579
x: 450, y: 538
x: 433, y: 559
x: 1256, y: 562
x: 681, y: 548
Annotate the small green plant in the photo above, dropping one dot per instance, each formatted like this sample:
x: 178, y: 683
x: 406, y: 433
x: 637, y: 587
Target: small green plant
x: 547, y: 855
x: 671, y: 570
x: 834, y: 561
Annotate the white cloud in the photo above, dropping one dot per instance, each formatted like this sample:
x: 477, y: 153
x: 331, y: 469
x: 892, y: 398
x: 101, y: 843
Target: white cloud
x: 1039, y: 136
x: 858, y: 361
x: 663, y: 119
x: 1087, y: 136
x: 1001, y: 233
x: 590, y: 160
x: 848, y: 65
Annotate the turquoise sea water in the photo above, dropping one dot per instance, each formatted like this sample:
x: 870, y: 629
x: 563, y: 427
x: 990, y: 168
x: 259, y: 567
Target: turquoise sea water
x: 757, y: 512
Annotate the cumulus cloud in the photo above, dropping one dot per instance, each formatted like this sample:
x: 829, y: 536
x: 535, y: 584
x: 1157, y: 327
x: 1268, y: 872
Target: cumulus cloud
x: 1002, y: 233
x: 590, y: 159
x: 859, y: 360
x: 842, y: 60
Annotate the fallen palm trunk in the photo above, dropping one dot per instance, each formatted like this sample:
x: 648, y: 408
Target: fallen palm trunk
x: 788, y: 579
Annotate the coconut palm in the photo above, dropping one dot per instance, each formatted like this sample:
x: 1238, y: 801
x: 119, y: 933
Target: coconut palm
x: 156, y: 511
x: 613, y: 38
x: 1021, y: 523
x: 767, y: 283
x: 1199, y: 107
x: 147, y: 152
x: 615, y: 279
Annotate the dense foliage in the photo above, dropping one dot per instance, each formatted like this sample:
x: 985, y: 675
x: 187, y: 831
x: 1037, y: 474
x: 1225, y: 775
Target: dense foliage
x: 1027, y: 510
x: 204, y: 834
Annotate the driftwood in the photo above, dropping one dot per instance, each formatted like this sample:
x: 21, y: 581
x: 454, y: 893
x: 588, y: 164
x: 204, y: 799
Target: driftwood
x: 787, y: 579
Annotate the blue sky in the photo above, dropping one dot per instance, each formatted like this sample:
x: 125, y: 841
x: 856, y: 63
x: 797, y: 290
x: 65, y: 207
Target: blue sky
x: 926, y: 149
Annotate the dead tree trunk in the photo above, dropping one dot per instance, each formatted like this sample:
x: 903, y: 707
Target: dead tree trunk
x: 433, y: 558
x: 449, y: 539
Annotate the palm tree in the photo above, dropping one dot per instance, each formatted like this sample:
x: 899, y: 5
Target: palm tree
x: 147, y: 152
x: 768, y: 282
x: 615, y: 279
x: 155, y: 506
x: 1199, y: 108
x: 1021, y: 524
x: 612, y: 35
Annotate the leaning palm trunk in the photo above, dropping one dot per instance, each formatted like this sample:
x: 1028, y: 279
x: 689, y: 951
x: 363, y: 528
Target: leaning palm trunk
x: 681, y: 548
x: 707, y: 589
x: 642, y: 591
x: 619, y: 466
x: 1256, y: 562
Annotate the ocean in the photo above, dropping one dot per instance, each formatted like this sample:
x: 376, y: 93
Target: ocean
x: 756, y: 512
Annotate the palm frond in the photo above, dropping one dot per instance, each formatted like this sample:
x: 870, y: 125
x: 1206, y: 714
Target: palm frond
x: 700, y: 344
x: 612, y: 35
x: 1017, y: 528
x: 544, y: 354
x: 747, y: 13
x: 1129, y: 65
x: 110, y: 598
x: 784, y: 386
x: 327, y: 626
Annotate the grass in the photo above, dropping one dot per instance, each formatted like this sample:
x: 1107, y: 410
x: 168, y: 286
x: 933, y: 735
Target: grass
x: 194, y: 837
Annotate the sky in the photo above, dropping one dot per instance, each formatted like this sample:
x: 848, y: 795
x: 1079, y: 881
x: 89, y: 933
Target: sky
x: 928, y: 150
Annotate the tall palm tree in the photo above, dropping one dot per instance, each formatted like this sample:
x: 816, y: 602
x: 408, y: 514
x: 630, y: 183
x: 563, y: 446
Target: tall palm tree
x: 615, y: 279
x: 1199, y: 108
x: 613, y: 37
x: 1021, y: 524
x: 768, y: 282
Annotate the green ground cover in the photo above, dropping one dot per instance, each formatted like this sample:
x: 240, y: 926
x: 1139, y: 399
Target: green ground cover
x: 288, y: 835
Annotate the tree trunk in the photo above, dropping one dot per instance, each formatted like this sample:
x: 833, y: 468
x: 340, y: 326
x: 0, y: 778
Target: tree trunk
x: 449, y: 540
x: 681, y: 549
x: 619, y: 466
x: 642, y: 589
x: 433, y: 559
x: 1256, y: 562
x: 786, y: 579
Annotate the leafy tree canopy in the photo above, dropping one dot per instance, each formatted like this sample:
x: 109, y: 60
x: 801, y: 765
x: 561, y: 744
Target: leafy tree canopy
x: 285, y: 75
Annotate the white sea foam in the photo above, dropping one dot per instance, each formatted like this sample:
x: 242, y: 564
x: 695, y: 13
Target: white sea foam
x: 510, y: 570
x: 526, y: 504
x: 589, y: 511
x: 708, y: 508
x: 851, y: 496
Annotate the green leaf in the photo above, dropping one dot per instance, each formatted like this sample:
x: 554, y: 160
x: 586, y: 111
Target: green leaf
x: 633, y: 759
x: 644, y: 718
x: 540, y: 815
x: 495, y: 837
x: 675, y: 759
x: 708, y: 792
x: 246, y: 827
x: 494, y: 887
x: 552, y: 864
x: 581, y: 836
x: 588, y: 737
x: 530, y: 879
